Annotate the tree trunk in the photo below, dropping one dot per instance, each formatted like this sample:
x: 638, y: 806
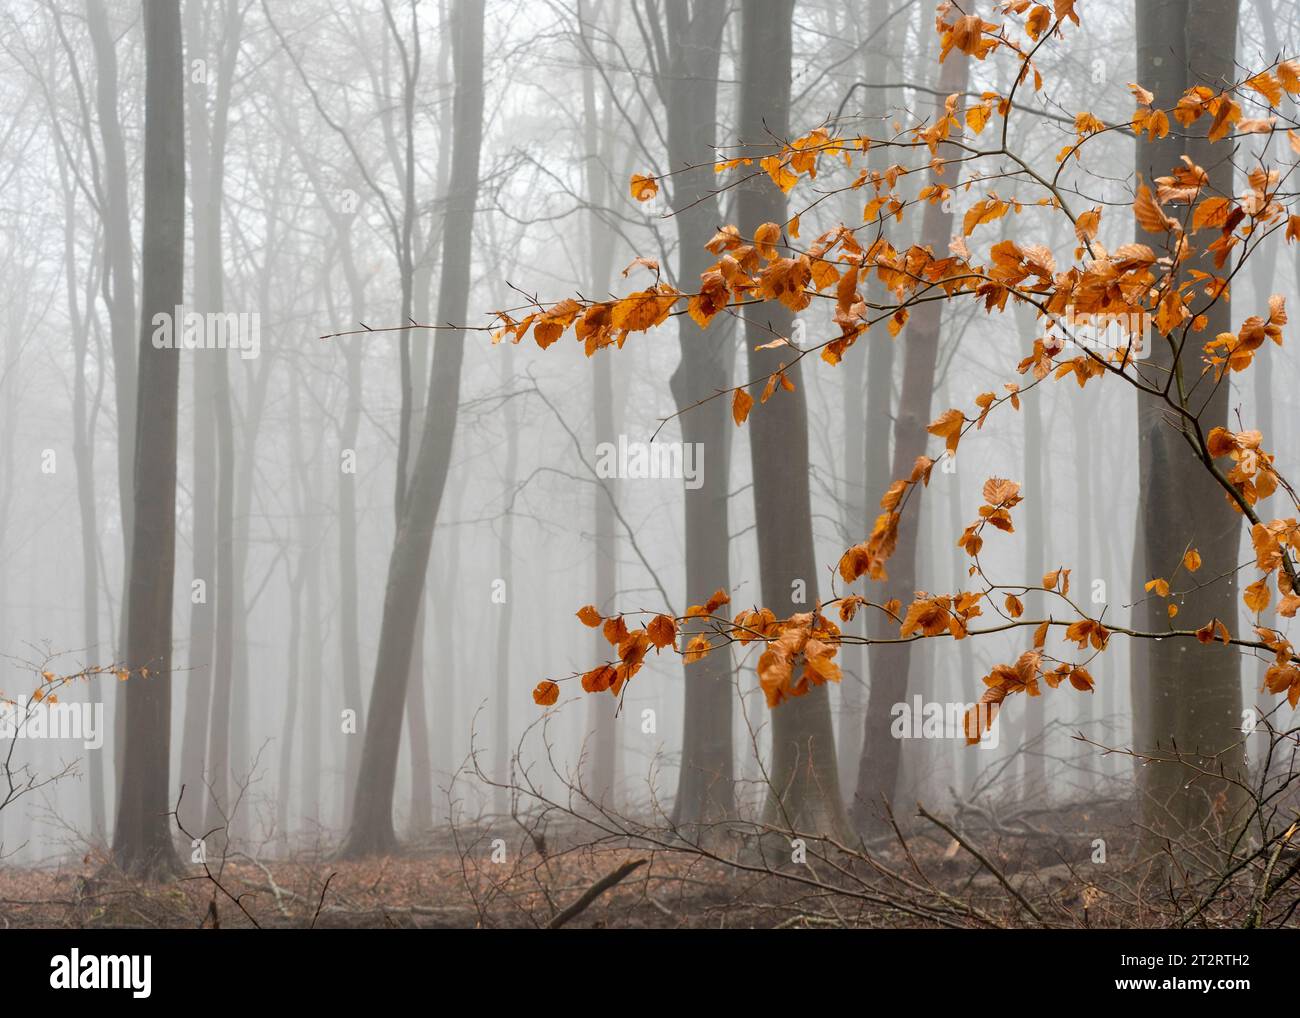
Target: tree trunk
x: 119, y: 295
x: 501, y: 747
x: 417, y: 716
x: 448, y: 620
x: 1192, y: 693
x: 141, y: 842
x: 83, y: 454
x: 349, y: 635
x: 868, y: 375
x: 688, y: 81
x: 804, y: 793
x: 207, y: 166
x: 1033, y: 765
x: 600, y: 748
x: 296, y: 573
x: 292, y: 696
x: 214, y: 503
x: 878, y: 771
x: 372, y: 814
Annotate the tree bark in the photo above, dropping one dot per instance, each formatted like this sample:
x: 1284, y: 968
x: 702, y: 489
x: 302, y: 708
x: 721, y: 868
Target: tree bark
x: 1033, y: 770
x: 804, y: 792
x: 1192, y: 697
x: 878, y: 771
x: 868, y: 375
x: 119, y: 295
x: 600, y: 749
x: 372, y: 814
x: 688, y: 81
x: 141, y: 842
x: 501, y: 747
x: 84, y: 412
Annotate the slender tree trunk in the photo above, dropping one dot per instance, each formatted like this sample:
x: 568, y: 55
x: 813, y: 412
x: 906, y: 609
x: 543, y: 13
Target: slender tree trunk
x: 501, y: 747
x: 601, y: 744
x: 292, y: 695
x: 313, y: 620
x: 83, y: 454
x: 349, y: 636
x: 448, y: 620
x: 417, y: 734
x: 212, y: 410
x: 1033, y: 771
x: 141, y: 842
x: 207, y: 165
x: 967, y: 761
x: 295, y: 573
x: 878, y: 771
x: 804, y: 793
x: 705, y: 784
x: 203, y: 537
x: 372, y: 824
x: 119, y: 295
x: 1262, y: 274
x: 417, y: 715
x: 868, y: 374
x: 240, y: 488
x: 1192, y: 698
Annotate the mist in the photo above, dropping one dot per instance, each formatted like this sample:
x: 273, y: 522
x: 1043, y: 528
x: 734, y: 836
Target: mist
x: 342, y: 488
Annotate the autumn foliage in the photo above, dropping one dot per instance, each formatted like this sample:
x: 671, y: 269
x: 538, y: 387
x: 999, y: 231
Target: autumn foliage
x: 1133, y: 282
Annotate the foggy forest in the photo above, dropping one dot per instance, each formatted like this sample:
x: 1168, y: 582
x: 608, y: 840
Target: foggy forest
x: 649, y: 464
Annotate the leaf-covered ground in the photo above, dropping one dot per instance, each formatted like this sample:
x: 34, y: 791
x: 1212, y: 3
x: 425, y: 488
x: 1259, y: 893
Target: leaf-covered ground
x: 1037, y: 868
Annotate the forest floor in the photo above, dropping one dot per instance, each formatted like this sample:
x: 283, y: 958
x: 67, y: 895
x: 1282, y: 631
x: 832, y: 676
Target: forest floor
x: 1067, y: 868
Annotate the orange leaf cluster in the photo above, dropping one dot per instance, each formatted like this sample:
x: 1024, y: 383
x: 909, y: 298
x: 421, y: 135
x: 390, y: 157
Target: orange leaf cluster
x: 1236, y: 350
x: 870, y: 556
x: 1000, y: 497
x: 1252, y: 473
x: 631, y: 647
x: 799, y: 656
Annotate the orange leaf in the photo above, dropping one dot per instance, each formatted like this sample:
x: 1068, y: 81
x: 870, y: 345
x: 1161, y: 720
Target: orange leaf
x: 948, y: 426
x: 662, y: 631
x: 696, y: 649
x: 1148, y: 213
x: 1040, y: 635
x: 715, y: 602
x: 741, y: 404
x: 1257, y: 596
x: 643, y: 188
x: 765, y: 238
x: 546, y: 693
x: 599, y: 679
x: 615, y: 630
x: 1160, y: 586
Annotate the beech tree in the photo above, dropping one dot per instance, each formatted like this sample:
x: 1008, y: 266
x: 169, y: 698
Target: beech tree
x: 372, y: 820
x: 1167, y: 293
x: 685, y: 60
x: 142, y: 837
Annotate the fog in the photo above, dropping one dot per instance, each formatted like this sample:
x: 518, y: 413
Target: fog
x: 335, y: 192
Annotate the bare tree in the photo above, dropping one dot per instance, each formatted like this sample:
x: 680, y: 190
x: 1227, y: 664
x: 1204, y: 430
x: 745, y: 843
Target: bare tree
x: 372, y: 817
x: 142, y: 841
x: 805, y: 778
